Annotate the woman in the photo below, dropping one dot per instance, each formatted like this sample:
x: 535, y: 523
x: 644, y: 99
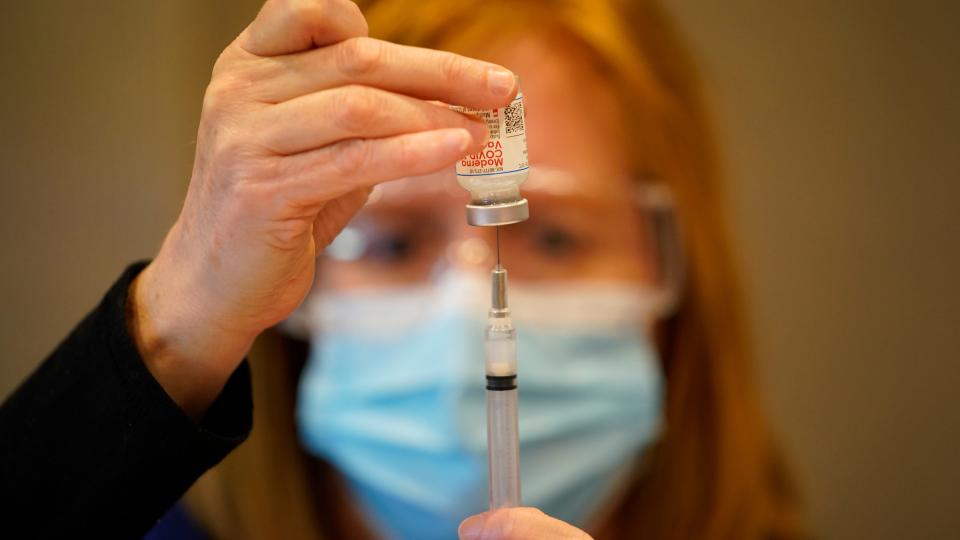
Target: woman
x: 612, y: 98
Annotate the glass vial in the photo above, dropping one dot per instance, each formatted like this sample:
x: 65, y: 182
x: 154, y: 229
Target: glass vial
x: 493, y: 175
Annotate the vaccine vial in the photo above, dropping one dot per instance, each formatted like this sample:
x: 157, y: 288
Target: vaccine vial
x: 493, y: 175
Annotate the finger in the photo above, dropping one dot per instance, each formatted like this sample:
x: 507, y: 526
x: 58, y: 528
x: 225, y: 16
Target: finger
x: 288, y: 26
x: 327, y: 173
x: 349, y: 112
x: 335, y: 215
x: 415, y: 71
x: 518, y: 524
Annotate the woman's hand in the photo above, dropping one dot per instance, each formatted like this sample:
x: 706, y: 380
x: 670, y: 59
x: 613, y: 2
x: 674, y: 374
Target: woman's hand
x: 303, y: 115
x: 518, y: 524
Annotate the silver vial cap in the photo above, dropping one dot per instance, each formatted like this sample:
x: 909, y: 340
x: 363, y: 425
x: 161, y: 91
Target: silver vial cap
x: 490, y: 215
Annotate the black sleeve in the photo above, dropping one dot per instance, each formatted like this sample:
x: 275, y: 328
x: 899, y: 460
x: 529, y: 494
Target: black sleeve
x: 91, y: 446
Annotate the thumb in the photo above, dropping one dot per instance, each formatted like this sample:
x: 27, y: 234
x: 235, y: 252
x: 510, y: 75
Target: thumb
x: 518, y: 524
x: 285, y: 27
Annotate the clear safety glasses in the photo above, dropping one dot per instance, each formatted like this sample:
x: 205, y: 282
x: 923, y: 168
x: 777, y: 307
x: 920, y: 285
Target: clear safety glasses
x: 627, y: 234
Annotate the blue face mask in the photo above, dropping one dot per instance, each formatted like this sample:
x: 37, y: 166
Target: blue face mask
x: 393, y: 396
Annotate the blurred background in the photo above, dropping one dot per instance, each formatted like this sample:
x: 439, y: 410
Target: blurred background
x: 840, y: 126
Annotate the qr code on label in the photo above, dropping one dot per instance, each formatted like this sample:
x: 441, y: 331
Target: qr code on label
x: 513, y: 118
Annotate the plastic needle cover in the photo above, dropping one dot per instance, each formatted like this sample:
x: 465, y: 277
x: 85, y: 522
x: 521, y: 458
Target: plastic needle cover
x: 501, y: 338
x: 503, y: 441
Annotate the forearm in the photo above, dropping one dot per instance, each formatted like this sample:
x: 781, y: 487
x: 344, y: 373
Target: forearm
x: 91, y: 442
x: 178, y: 337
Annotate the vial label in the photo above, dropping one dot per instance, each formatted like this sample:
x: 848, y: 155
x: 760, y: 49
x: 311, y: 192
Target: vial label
x: 506, y: 151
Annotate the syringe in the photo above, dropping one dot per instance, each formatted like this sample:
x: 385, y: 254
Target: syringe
x: 503, y: 444
x: 495, y: 200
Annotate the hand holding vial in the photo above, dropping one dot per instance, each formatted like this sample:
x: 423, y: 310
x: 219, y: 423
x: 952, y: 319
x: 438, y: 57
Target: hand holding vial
x: 303, y: 115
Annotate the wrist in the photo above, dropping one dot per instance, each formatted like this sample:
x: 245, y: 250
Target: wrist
x: 179, y: 338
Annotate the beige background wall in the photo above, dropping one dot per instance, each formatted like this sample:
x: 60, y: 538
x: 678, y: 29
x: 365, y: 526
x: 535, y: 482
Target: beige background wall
x: 841, y: 125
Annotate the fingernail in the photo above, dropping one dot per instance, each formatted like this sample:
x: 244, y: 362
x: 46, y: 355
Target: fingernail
x: 471, y: 528
x: 457, y: 140
x: 500, y: 82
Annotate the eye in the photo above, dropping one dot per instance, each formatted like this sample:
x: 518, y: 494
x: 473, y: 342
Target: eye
x: 554, y: 241
x: 393, y: 247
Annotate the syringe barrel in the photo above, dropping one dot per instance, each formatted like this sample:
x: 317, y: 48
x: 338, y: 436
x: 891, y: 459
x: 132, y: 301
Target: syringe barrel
x: 503, y: 439
x: 503, y: 444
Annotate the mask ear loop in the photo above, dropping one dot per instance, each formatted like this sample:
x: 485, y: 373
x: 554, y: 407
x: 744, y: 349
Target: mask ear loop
x: 657, y: 203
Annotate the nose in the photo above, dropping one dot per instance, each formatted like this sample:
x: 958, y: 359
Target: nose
x: 470, y: 253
